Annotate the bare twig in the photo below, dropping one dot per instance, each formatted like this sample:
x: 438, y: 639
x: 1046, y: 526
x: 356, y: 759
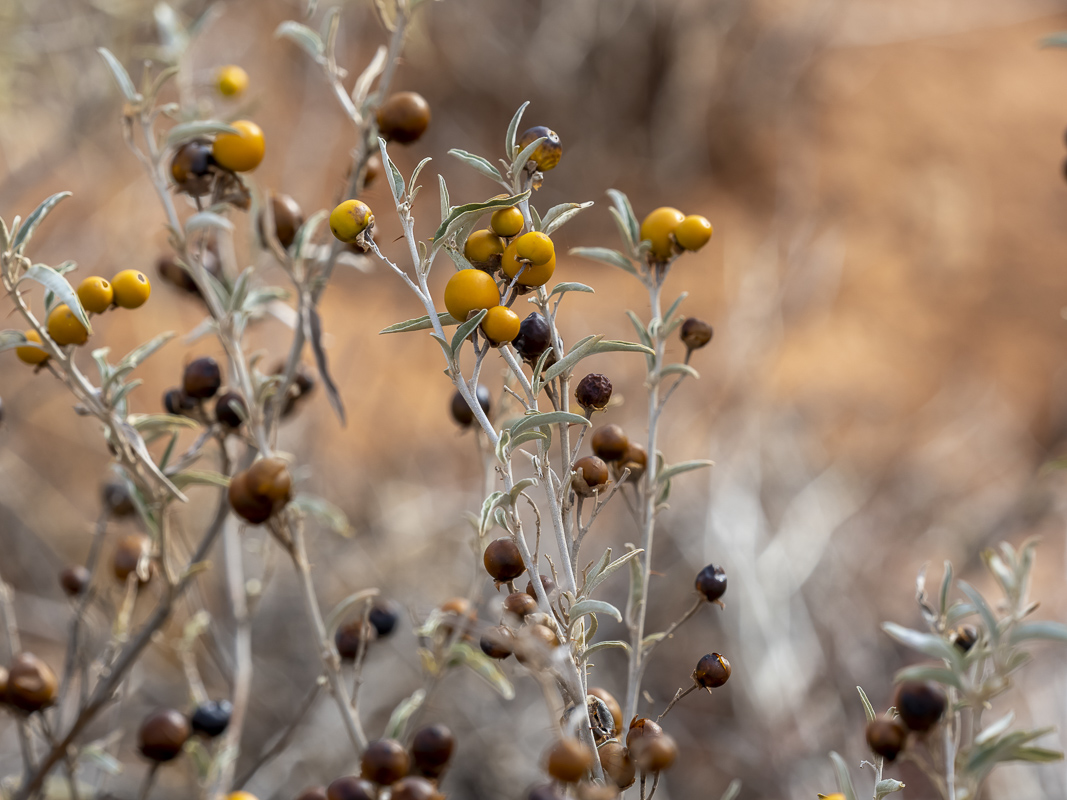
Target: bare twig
x: 283, y: 740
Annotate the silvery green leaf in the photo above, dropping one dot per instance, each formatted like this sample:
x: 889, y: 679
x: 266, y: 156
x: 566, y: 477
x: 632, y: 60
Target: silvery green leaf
x: 153, y: 423
x: 626, y: 213
x: 394, y: 729
x: 338, y: 612
x: 418, y: 169
x: 585, y: 631
x: 525, y: 155
x: 958, y: 611
x: 118, y: 72
x: 674, y: 306
x: 732, y: 791
x: 624, y: 233
x: 562, y: 288
x: 1005, y: 576
x: 520, y: 487
x: 1009, y: 747
x: 9, y: 340
x: 583, y: 607
x: 361, y: 89
x: 458, y: 258
x: 593, y: 649
x: 605, y: 255
x: 535, y: 218
x: 420, y: 323
x: 984, y: 611
x: 5, y: 236
x: 946, y: 584
x: 263, y: 296
x: 470, y: 212
x: 97, y: 756
x: 331, y: 21
x: 601, y: 345
x: 868, y: 709
x: 530, y: 436
x: 652, y: 638
x: 484, y: 667
x: 306, y: 233
x: 27, y: 228
x: 557, y: 216
x: 685, y: 466
x: 541, y: 418
x: 1047, y: 631
x: 679, y: 369
x: 992, y: 731
x: 637, y: 586
x: 490, y: 503
x: 196, y: 477
x: 58, y: 285
x: 1055, y: 40
x: 513, y: 131
x: 240, y: 289
x: 887, y: 786
x: 478, y: 164
x: 445, y: 207
x: 313, y: 333
x: 396, y: 180
x: 465, y: 330
x: 595, y: 570
x: 844, y: 780
x: 140, y: 354
x: 610, y: 569
x: 927, y: 643
x: 303, y: 36
x: 928, y: 672
x: 185, y: 131
x: 208, y: 220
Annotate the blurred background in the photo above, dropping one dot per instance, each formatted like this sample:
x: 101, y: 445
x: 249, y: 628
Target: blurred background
x: 885, y: 387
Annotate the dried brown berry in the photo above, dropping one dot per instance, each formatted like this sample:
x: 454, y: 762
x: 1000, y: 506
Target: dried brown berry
x: 590, y: 475
x: 610, y: 442
x: 534, y: 645
x: 162, y: 735
x: 635, y: 460
x: 202, y: 378
x: 920, y: 704
x: 415, y: 788
x: 269, y: 477
x: 520, y: 604
x: 641, y: 729
x: 502, y: 559
x: 498, y: 642
x: 613, y: 705
x: 886, y: 738
x: 177, y: 402
x: 173, y: 273
x: 230, y: 410
x: 117, y: 498
x: 351, y: 787
x: 129, y: 554
x: 711, y: 582
x: 385, y: 761
x: 31, y: 683
x: 74, y: 580
x: 657, y: 753
x: 431, y: 749
x: 404, y: 117
x: 350, y: 634
x: 547, y: 584
x: 965, y: 637
x: 191, y: 167
x: 593, y: 391
x: 568, y: 760
x: 461, y: 412
x: 250, y: 507
x: 288, y: 217
x: 713, y: 670
x: 313, y: 793
x: 617, y: 764
x: 695, y: 333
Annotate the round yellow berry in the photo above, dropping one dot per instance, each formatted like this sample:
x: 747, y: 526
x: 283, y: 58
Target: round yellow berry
x: 32, y: 355
x: 659, y: 228
x: 131, y: 288
x: 507, y: 221
x: 64, y: 327
x: 528, y: 274
x: 96, y: 294
x: 470, y: 290
x: 547, y: 154
x: 350, y: 219
x: 536, y: 248
x: 501, y: 324
x: 835, y: 796
x: 693, y: 232
x: 241, y: 796
x: 231, y: 80
x: 483, y: 247
x: 241, y: 151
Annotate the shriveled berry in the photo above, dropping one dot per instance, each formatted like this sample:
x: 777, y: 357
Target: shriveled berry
x: 384, y: 615
x: 230, y: 410
x: 31, y: 683
x: 617, y: 764
x: 568, y: 760
x: 601, y: 720
x: 920, y: 704
x: 547, y: 154
x: 349, y: 636
x: 713, y: 670
x: 461, y: 412
x: 351, y: 787
x: 414, y: 787
x: 116, y: 497
x: 711, y: 582
x: 610, y: 442
x: 202, y: 378
x: 191, y: 167
x: 431, y: 749
x: 385, y: 761
x: 75, y: 580
x: 593, y: 391
x: 498, y: 642
x: 404, y: 117
x: 520, y: 604
x: 613, y: 705
x: 886, y: 738
x: 162, y: 735
x: 657, y: 753
x: 965, y: 637
x: 695, y: 333
x: 288, y: 217
x: 502, y: 559
x: 535, y: 336
x: 590, y: 475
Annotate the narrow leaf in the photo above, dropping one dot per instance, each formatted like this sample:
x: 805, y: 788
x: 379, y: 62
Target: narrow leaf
x: 868, y: 709
x: 313, y: 333
x: 927, y: 643
x: 609, y: 570
x: 58, y: 285
x: 460, y: 214
x: 185, y: 131
x: 420, y: 323
x: 557, y: 216
x: 325, y: 512
x: 593, y: 649
x: 27, y: 229
x: 1047, y: 631
x: 583, y: 607
x: 562, y: 288
x: 466, y: 329
x: 118, y: 72
x: 685, y: 466
x: 513, y: 131
x: 477, y: 163
x: 403, y: 712
x: 542, y: 418
x: 844, y: 781
x: 605, y: 255
x: 303, y: 36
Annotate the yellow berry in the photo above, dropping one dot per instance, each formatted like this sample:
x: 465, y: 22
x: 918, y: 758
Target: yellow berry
x: 470, y: 290
x: 64, y: 327
x: 547, y: 154
x: 95, y: 294
x: 482, y: 246
x: 536, y: 248
x: 131, y: 288
x: 350, y: 219
x: 241, y: 151
x: 834, y: 796
x: 529, y: 274
x: 507, y: 221
x: 658, y: 228
x: 241, y: 796
x: 231, y: 80
x: 693, y: 232
x: 501, y: 324
x: 32, y: 355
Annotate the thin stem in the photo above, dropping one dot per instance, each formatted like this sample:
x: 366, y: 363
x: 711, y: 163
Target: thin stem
x: 149, y: 779
x: 283, y: 740
x: 669, y: 633
x: 677, y: 696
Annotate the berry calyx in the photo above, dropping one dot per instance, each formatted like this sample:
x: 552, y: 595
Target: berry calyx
x: 349, y: 219
x: 132, y: 288
x: 64, y: 327
x: 658, y: 228
x: 590, y: 475
x: 470, y: 290
x: 404, y: 117
x: 242, y: 151
x: 95, y: 294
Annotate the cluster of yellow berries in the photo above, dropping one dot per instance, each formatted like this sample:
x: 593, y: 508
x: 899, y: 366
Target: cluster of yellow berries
x: 128, y: 289
x: 670, y: 231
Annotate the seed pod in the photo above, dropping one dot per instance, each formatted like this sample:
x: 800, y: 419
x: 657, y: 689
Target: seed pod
x: 162, y: 735
x: 74, y: 580
x: 965, y: 637
x: 31, y: 683
x: 657, y: 753
x: 601, y: 718
x: 351, y: 787
x: 520, y: 604
x: 613, y: 705
x: 695, y: 334
x: 230, y: 410
x: 711, y: 582
x: 920, y: 704
x: 502, y: 559
x: 461, y: 412
x: 251, y: 507
x: 886, y: 738
x: 641, y: 730
x: 498, y: 642
x: 404, y: 117
x: 713, y: 670
x: 313, y: 793
x: 414, y: 788
x: 610, y: 442
x: 117, y: 498
x: 617, y: 764
x: 385, y: 761
x: 547, y: 584
x: 535, y: 336
x: 568, y: 760
x: 202, y: 378
x: 593, y: 392
x: 635, y: 460
x: 177, y: 402
x: 349, y: 635
x: 590, y: 475
x: 210, y: 719
x: 288, y: 217
x: 384, y: 615
x: 431, y: 749
x: 130, y: 551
